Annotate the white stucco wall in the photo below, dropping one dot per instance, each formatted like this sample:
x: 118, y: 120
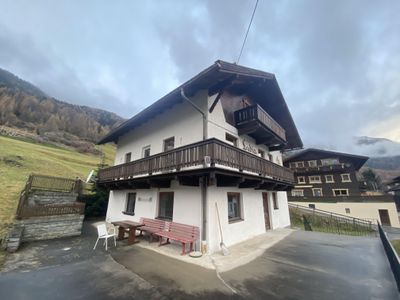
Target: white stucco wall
x: 362, y: 210
x: 182, y: 122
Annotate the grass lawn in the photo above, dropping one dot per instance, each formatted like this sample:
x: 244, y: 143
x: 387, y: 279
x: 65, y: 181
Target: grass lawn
x: 19, y: 158
x: 396, y: 246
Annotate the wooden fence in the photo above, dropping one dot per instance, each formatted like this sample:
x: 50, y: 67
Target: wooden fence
x: 51, y: 210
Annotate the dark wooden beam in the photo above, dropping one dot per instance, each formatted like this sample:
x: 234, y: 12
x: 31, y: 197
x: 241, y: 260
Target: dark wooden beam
x: 212, y: 179
x: 159, y: 183
x: 250, y: 184
x: 188, y: 180
x: 220, y: 86
x: 229, y: 181
x: 215, y: 102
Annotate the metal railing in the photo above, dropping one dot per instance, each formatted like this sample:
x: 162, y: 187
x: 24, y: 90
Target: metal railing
x: 256, y: 113
x: 324, y: 221
x: 334, y: 199
x: 391, y: 255
x: 220, y: 153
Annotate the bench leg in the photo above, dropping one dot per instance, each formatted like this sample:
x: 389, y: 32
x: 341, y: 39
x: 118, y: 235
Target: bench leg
x: 183, y: 248
x: 191, y: 246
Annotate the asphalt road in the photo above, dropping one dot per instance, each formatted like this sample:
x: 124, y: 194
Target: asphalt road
x: 305, y: 265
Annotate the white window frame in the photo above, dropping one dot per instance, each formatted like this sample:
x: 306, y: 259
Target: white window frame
x: 315, y: 181
x: 312, y: 163
x: 347, y: 192
x: 144, y: 150
x: 329, y: 181
x: 303, y: 181
x: 299, y: 164
x: 347, y: 210
x: 300, y: 192
x: 345, y: 180
x: 320, y: 189
x: 328, y: 161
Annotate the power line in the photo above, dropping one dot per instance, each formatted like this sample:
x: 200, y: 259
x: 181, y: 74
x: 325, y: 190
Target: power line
x: 247, y: 32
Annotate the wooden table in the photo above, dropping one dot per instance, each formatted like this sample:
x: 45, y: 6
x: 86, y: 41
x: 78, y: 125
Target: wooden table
x: 130, y: 226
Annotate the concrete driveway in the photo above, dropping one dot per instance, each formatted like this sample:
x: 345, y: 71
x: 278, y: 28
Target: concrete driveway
x: 305, y: 265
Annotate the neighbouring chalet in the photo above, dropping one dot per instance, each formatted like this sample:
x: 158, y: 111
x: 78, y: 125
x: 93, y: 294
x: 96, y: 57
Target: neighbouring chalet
x: 216, y: 139
x: 327, y: 180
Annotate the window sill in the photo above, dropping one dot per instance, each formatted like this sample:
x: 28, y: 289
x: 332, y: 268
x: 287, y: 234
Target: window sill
x: 236, y: 220
x: 164, y: 218
x: 128, y: 213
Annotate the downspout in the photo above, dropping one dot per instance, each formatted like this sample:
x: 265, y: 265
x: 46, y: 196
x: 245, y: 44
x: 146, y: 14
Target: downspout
x: 203, y: 179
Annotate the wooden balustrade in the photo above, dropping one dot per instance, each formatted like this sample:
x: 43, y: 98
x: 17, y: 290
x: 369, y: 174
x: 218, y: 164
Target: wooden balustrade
x: 220, y: 153
x: 256, y: 113
x: 27, y: 211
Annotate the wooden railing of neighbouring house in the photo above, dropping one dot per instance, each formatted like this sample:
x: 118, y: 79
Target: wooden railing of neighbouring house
x: 255, y: 112
x: 220, y: 153
x: 37, y: 182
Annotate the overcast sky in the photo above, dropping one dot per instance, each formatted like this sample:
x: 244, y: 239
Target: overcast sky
x: 337, y: 62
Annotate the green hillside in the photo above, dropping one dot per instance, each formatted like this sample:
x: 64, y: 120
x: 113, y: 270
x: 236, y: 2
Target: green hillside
x: 19, y: 158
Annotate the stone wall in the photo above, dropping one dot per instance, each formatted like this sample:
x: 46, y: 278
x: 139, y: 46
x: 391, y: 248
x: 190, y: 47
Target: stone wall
x: 51, y: 227
x: 45, y: 198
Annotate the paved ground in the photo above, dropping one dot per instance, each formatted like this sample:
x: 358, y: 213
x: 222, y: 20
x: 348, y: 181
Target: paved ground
x: 303, y: 265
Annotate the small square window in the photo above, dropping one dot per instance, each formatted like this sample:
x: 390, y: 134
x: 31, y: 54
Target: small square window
x: 130, y: 204
x: 275, y: 200
x: 261, y: 153
x: 146, y: 151
x: 347, y: 210
x: 329, y: 179
x: 301, y: 179
x: 169, y: 143
x: 311, y: 206
x: 234, y: 207
x: 317, y: 192
x: 312, y: 163
x: 340, y: 192
x: 345, y: 177
x: 231, y: 139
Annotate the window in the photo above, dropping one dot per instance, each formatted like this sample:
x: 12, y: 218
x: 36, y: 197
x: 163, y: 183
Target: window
x: 261, y: 153
x: 169, y: 143
x: 340, y: 192
x: 312, y: 163
x: 301, y: 179
x: 345, y: 177
x: 128, y: 157
x: 130, y: 204
x: 347, y: 210
x: 317, y: 192
x: 231, y: 139
x: 166, y: 205
x: 275, y: 200
x: 270, y: 158
x: 329, y: 179
x: 329, y: 161
x: 146, y: 151
x: 311, y: 206
x: 314, y: 179
x: 234, y: 207
x: 299, y: 164
x: 297, y: 193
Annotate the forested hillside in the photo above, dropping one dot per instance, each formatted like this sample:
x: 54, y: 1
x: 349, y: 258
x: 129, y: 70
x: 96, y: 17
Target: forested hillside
x: 26, y: 107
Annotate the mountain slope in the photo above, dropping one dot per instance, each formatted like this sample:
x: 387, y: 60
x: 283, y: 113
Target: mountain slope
x: 24, y: 106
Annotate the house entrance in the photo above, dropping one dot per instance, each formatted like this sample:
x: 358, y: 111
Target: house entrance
x: 266, y: 211
x: 384, y: 216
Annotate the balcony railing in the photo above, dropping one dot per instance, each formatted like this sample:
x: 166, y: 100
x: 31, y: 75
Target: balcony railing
x: 256, y: 113
x: 221, y: 155
x: 322, y: 168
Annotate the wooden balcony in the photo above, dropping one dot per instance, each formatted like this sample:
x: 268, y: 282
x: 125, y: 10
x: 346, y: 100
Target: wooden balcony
x: 323, y: 169
x: 206, y: 156
x: 257, y: 123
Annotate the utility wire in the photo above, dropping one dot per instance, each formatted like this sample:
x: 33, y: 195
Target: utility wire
x: 247, y: 32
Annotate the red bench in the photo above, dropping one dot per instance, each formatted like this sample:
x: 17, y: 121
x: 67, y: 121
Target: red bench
x: 151, y: 226
x: 186, y: 234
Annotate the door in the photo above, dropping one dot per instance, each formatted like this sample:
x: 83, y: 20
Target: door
x: 384, y: 216
x: 266, y: 211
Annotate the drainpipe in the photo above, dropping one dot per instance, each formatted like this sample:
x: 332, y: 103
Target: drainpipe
x: 203, y: 179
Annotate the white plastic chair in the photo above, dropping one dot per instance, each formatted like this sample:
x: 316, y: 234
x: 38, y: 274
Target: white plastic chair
x: 104, y: 234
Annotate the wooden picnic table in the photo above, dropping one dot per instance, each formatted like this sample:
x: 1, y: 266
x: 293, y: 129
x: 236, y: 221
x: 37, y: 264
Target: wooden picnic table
x: 127, y: 226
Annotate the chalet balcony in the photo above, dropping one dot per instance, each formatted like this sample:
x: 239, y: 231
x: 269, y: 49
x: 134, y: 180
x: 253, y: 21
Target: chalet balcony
x: 221, y: 162
x: 257, y: 123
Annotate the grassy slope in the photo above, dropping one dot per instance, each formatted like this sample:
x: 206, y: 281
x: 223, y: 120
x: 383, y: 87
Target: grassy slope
x: 20, y: 158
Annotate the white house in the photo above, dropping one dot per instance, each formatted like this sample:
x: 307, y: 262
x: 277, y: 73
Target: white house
x: 215, y: 140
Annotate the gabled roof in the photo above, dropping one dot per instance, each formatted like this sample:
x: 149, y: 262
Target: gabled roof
x: 213, y: 78
x: 358, y: 160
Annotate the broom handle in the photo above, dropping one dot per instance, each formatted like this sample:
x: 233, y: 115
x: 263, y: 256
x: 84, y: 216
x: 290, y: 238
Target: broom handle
x: 219, y: 223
